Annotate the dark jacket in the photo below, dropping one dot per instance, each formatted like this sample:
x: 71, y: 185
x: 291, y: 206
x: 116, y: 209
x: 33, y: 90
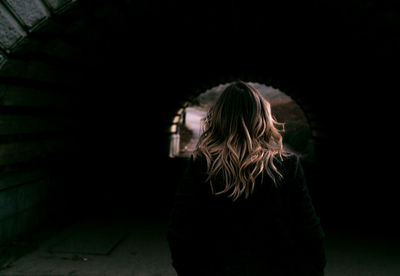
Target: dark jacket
x: 275, y: 231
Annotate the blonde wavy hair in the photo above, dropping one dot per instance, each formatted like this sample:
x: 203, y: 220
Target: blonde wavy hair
x: 240, y: 140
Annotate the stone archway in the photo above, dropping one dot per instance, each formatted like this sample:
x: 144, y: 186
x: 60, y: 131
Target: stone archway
x: 298, y: 135
x: 53, y: 57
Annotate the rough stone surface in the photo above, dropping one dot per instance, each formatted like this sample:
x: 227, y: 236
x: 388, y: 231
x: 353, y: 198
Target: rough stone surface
x: 57, y: 4
x: 19, y: 199
x: 10, y: 31
x: 30, y: 13
x: 21, y: 222
x: 31, y: 194
x: 35, y: 70
x: 3, y: 60
x: 20, y: 207
x: 8, y: 203
x: 16, y: 179
x: 14, y: 95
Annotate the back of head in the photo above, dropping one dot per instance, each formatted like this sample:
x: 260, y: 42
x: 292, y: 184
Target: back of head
x: 240, y: 140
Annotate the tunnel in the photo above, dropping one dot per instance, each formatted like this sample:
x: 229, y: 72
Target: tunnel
x: 89, y: 89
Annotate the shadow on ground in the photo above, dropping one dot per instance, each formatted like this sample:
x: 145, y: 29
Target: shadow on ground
x: 132, y: 246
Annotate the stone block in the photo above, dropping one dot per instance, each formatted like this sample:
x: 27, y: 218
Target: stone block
x: 59, y: 4
x: 38, y: 71
x: 30, y: 13
x: 11, y: 179
x: 19, y: 152
x: 21, y: 222
x: 29, y: 219
x: 59, y: 48
x: 19, y: 124
x: 14, y: 95
x: 11, y: 32
x: 8, y: 203
x: 31, y: 194
x: 3, y: 60
x: 18, y: 199
x: 7, y: 229
x: 12, y: 153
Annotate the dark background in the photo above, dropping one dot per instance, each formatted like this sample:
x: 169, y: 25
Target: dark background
x: 334, y: 57
x: 137, y: 62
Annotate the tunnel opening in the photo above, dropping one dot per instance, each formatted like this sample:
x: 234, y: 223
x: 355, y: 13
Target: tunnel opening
x: 186, y: 125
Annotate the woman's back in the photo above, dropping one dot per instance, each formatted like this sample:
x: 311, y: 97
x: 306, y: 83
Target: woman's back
x: 243, y: 206
x: 264, y: 233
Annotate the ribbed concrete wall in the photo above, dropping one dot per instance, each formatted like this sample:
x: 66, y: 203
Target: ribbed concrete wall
x: 33, y: 118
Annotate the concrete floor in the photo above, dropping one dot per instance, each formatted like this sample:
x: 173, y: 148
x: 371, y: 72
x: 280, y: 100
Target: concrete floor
x: 143, y: 251
x: 357, y: 253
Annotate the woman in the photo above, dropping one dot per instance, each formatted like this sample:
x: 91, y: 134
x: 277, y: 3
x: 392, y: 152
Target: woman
x: 243, y: 207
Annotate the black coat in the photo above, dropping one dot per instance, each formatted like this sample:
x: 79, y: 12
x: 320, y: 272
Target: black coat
x: 275, y: 231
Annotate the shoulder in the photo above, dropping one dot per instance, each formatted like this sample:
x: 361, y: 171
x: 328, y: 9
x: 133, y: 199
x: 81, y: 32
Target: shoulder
x: 197, y: 163
x: 198, y: 159
x: 288, y: 159
x: 288, y: 164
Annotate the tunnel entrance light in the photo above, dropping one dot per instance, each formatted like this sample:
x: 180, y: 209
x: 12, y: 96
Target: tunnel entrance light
x: 177, y: 123
x: 185, y: 129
